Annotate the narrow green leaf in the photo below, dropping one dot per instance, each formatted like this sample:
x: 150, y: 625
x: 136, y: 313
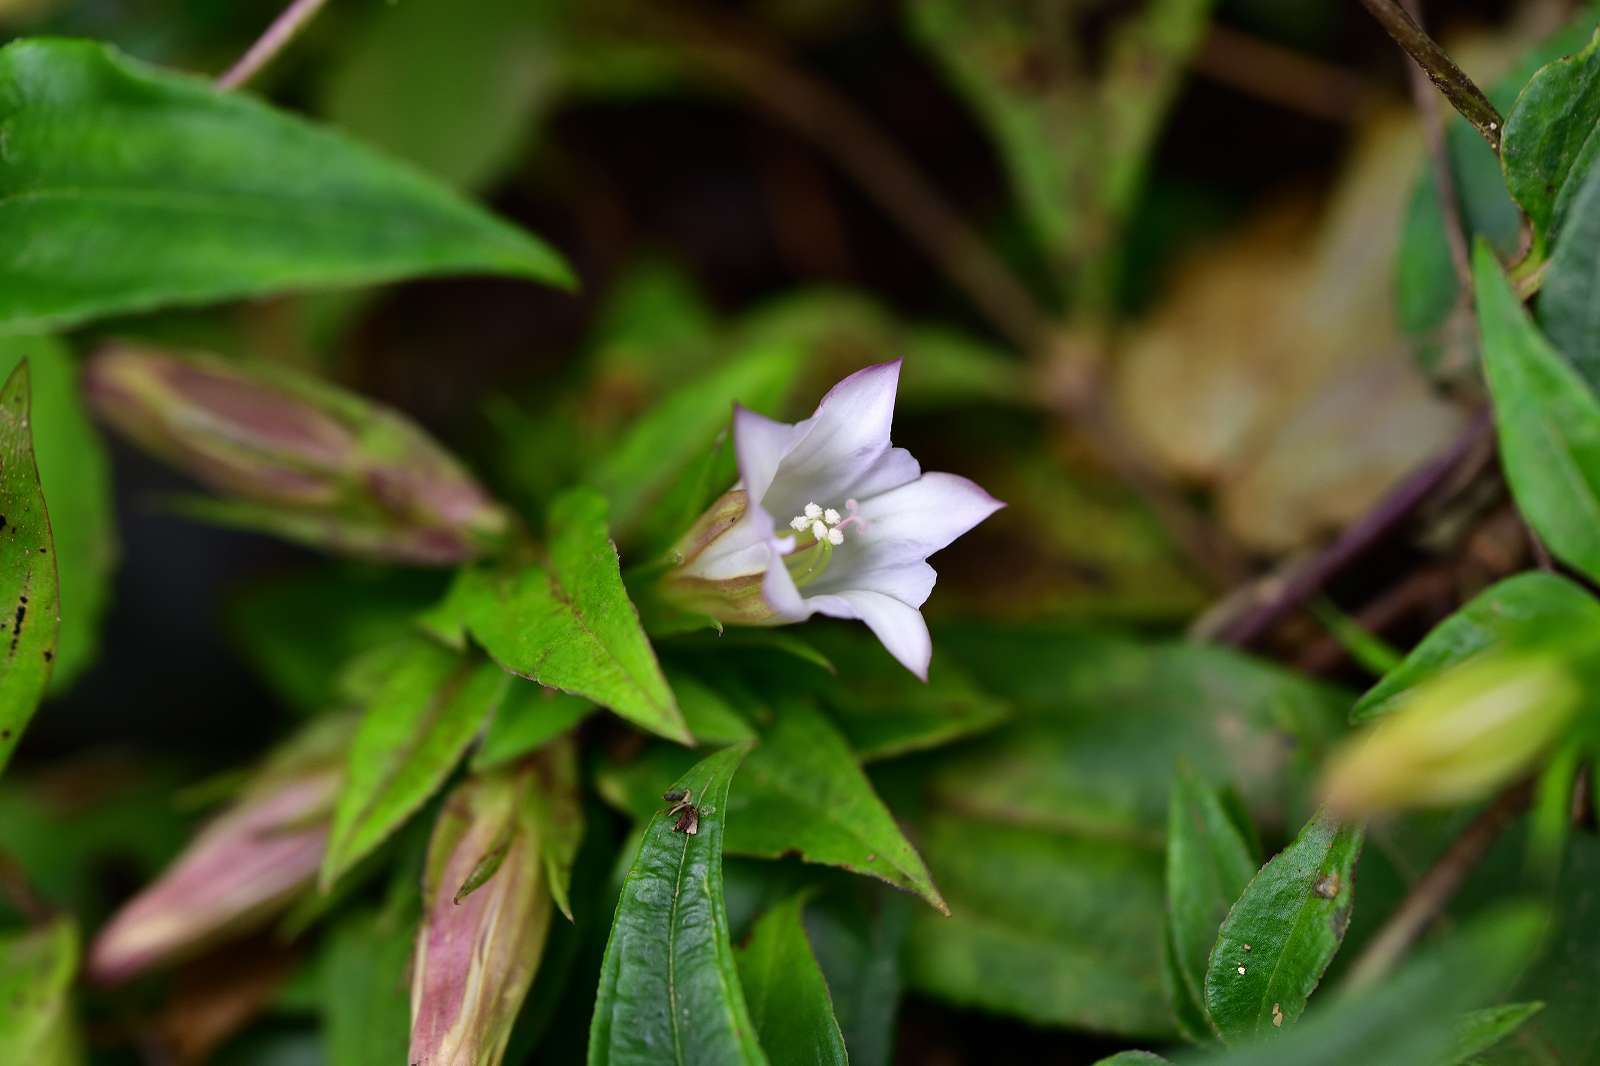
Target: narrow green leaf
x: 37, y: 968
x: 788, y: 997
x: 661, y: 446
x: 75, y: 475
x: 1282, y: 933
x: 1548, y: 421
x: 365, y: 990
x: 802, y: 792
x: 1414, y: 1017
x: 527, y: 719
x: 858, y: 939
x: 1546, y: 132
x: 1493, y: 618
x: 1569, y: 301
x: 569, y: 624
x: 208, y: 195
x: 1482, y: 1029
x: 30, y: 609
x: 669, y: 988
x: 413, y: 731
x: 709, y: 715
x: 1209, y: 865
x: 1055, y: 929
x: 1188, y: 1009
x: 558, y: 811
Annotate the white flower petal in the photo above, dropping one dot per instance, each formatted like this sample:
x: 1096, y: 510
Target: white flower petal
x: 779, y: 590
x: 759, y: 445
x: 900, y: 628
x: 845, y: 449
x: 910, y: 583
x: 927, y: 514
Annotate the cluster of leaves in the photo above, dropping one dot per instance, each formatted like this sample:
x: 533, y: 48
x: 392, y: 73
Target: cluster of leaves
x: 1064, y: 825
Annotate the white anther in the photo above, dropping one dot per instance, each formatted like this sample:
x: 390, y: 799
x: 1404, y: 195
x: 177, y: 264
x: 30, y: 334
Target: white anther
x: 831, y: 516
x: 799, y: 523
x: 813, y: 511
x: 818, y: 530
x: 836, y: 537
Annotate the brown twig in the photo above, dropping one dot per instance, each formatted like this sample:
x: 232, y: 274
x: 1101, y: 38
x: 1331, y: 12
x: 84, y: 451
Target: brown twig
x: 1462, y: 92
x: 1444, y: 181
x: 283, y: 30
x: 1432, y: 893
x: 1287, y: 593
x: 1281, y: 75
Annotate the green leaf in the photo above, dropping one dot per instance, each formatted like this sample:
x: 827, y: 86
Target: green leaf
x: 786, y: 992
x: 1209, y: 865
x: 1414, y: 1016
x: 569, y: 624
x: 1100, y: 722
x: 30, y: 610
x: 1571, y: 291
x: 300, y: 630
x: 1053, y: 929
x: 885, y: 712
x: 1482, y: 1029
x: 450, y: 85
x: 1548, y: 422
x: 1568, y: 1029
x: 858, y: 939
x: 208, y: 195
x: 1426, y: 284
x: 37, y: 968
x: 802, y: 792
x: 365, y: 994
x: 1282, y: 933
x: 660, y: 447
x: 1499, y: 615
x: 1132, y: 1058
x: 527, y: 719
x: 414, y: 730
x: 710, y: 717
x: 557, y: 806
x: 76, y: 477
x: 1546, y: 132
x: 669, y: 989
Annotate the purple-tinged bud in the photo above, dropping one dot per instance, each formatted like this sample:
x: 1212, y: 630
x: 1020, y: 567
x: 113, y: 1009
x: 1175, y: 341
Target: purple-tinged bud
x: 244, y: 867
x: 304, y: 459
x: 488, y: 908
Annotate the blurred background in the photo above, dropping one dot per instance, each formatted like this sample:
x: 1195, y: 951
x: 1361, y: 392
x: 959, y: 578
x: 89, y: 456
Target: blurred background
x: 1143, y: 272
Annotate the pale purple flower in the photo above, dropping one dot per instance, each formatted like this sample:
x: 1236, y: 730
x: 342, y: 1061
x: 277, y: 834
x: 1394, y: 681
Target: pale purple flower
x: 843, y: 522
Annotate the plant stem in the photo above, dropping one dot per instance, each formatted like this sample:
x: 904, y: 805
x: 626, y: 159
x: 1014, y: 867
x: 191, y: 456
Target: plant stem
x: 1462, y: 92
x: 1432, y: 893
x: 1285, y: 593
x: 283, y: 30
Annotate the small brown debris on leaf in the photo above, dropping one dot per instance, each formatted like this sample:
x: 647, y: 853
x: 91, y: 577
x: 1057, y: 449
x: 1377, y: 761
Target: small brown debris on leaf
x: 1277, y: 1016
x: 1328, y: 887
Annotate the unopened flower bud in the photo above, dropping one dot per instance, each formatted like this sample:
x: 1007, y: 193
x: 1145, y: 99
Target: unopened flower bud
x: 318, y: 464
x: 487, y: 912
x: 244, y: 867
x: 1457, y: 737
